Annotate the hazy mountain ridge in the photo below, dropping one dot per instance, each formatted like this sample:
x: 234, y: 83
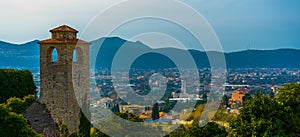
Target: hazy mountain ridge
x: 27, y: 55
x: 19, y: 55
x: 279, y: 58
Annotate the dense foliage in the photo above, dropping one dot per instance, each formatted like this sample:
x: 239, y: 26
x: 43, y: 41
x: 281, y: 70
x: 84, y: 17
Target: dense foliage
x: 85, y: 125
x: 13, y: 124
x: 15, y: 83
x: 15, y: 89
x: 211, y: 129
x: 224, y: 116
x: 289, y: 98
x: 267, y: 116
x: 130, y: 117
x: 18, y: 105
x: 84, y: 128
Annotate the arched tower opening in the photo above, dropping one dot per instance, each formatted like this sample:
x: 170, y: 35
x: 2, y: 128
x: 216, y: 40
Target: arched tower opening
x: 53, y: 55
x: 74, y: 56
x: 78, y: 55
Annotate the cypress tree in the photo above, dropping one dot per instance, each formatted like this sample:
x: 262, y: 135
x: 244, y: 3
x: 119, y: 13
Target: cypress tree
x: 155, y: 112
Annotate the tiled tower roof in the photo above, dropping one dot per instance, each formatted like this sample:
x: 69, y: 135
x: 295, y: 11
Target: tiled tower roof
x: 64, y: 28
x: 63, y: 35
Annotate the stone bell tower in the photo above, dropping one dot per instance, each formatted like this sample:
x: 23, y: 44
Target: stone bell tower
x: 64, y: 69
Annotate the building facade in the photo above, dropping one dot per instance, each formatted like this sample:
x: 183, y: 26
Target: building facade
x: 238, y: 96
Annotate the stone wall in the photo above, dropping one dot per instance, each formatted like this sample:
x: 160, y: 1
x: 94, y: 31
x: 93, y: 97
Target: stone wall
x: 40, y: 119
x: 64, y: 83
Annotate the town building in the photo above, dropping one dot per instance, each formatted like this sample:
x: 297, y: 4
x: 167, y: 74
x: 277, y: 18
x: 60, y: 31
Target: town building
x: 237, y: 98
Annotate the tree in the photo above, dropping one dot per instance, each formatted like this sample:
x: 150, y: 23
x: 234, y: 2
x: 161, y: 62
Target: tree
x: 225, y: 100
x: 246, y: 97
x: 13, y: 125
x: 211, y: 129
x: 196, y: 113
x: 179, y: 132
x: 15, y: 83
x: 18, y: 105
x: 289, y: 98
x: 155, y: 112
x: 204, y: 96
x: 116, y: 108
x: 267, y: 116
x: 85, y: 125
x: 272, y: 94
x: 222, y: 115
x: 84, y: 128
x: 130, y: 117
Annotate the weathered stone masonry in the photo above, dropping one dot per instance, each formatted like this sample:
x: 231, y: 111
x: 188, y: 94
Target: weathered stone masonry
x: 65, y: 81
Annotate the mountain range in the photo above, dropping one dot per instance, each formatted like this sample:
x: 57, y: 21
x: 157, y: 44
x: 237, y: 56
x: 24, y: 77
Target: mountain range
x: 23, y: 56
x: 26, y: 56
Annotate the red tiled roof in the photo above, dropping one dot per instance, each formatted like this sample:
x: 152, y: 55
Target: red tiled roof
x: 54, y: 41
x: 64, y: 28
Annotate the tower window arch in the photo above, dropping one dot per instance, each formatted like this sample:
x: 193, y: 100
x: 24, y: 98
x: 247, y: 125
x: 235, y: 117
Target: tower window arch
x: 53, y: 55
x: 78, y: 55
x: 74, y: 55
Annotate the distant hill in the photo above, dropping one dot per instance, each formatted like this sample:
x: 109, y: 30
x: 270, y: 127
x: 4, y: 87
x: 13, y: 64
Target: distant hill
x: 19, y: 55
x: 280, y: 58
x: 27, y: 56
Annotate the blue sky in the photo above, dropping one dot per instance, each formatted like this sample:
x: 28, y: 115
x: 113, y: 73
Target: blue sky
x: 260, y: 24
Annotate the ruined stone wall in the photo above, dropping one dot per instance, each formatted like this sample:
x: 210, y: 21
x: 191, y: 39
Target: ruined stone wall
x: 40, y: 120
